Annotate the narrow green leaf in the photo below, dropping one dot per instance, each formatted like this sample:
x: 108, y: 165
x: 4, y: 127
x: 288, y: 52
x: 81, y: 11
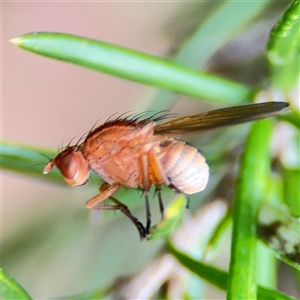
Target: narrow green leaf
x: 218, y: 277
x: 251, y: 188
x: 28, y: 160
x: 209, y: 273
x: 266, y: 260
x: 10, y: 289
x: 23, y: 159
x: 172, y: 218
x: 132, y: 65
x: 293, y: 117
x: 218, y: 233
x: 237, y: 15
x: 291, y: 179
x: 283, y: 49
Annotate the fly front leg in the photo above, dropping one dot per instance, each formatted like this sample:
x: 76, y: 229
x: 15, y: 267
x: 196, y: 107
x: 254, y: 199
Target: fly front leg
x: 106, y: 191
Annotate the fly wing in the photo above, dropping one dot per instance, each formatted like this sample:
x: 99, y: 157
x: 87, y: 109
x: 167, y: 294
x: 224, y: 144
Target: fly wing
x: 220, y: 117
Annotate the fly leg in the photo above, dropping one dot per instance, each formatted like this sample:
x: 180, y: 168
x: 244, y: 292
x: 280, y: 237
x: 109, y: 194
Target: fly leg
x: 125, y: 210
x: 106, y: 192
x: 160, y: 202
x: 151, y: 160
x: 148, y: 213
x: 146, y: 187
x: 161, y: 178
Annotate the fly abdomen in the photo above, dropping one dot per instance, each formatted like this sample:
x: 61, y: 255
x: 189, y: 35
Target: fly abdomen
x: 185, y: 167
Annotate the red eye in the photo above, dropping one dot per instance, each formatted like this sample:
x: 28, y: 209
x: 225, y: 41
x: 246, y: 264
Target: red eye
x: 72, y: 165
x: 68, y: 165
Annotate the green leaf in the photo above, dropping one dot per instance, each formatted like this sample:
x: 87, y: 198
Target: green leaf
x: 28, y: 160
x: 237, y: 16
x: 10, y: 289
x: 216, y: 276
x: 172, y: 218
x: 291, y: 179
x: 266, y: 260
x: 283, y: 49
x: 209, y: 273
x: 218, y: 233
x: 133, y: 65
x: 292, y: 117
x: 189, y: 54
x: 24, y: 159
x: 251, y: 188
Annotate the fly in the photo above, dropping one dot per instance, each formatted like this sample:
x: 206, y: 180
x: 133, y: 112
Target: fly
x: 141, y: 153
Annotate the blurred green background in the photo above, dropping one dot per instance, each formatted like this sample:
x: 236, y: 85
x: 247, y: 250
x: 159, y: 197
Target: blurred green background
x: 51, y: 244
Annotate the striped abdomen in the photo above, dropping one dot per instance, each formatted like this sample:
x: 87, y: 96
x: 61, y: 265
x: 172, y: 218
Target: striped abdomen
x: 184, y: 166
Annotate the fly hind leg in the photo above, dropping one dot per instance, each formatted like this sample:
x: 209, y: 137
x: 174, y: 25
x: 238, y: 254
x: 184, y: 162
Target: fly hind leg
x: 146, y: 187
x: 106, y: 192
x: 160, y: 177
x: 125, y: 210
x: 160, y: 202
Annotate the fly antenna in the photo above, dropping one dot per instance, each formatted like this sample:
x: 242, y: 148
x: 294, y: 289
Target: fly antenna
x: 38, y: 164
x: 45, y: 155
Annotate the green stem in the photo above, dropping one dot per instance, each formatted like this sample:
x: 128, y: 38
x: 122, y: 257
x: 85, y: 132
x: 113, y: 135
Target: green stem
x: 251, y: 188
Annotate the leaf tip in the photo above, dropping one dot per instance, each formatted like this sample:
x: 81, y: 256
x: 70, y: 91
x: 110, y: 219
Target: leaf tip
x: 16, y: 41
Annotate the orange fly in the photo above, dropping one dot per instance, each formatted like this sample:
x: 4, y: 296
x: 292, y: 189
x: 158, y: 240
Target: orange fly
x: 140, y: 153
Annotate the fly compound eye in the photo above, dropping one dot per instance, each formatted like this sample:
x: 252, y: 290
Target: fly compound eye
x: 73, y: 167
x: 69, y: 165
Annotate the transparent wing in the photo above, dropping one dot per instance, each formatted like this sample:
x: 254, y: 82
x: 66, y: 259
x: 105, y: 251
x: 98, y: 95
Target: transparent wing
x: 220, y: 117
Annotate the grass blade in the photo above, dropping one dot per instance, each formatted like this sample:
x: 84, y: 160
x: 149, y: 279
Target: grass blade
x: 10, y: 289
x: 283, y: 49
x: 237, y: 14
x: 251, y: 188
x: 23, y: 159
x: 218, y: 277
x: 132, y: 65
